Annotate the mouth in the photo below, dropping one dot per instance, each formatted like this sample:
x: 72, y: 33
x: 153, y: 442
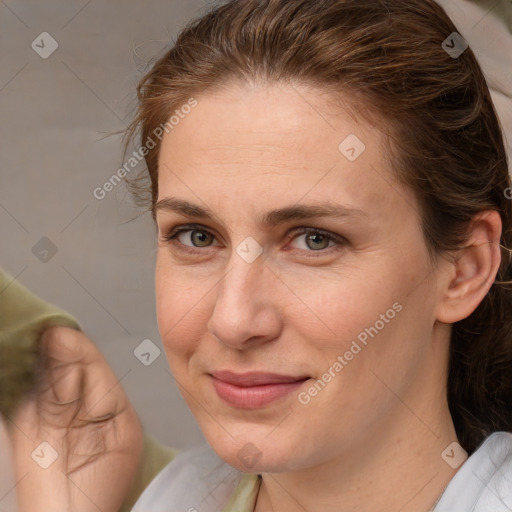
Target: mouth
x: 254, y: 390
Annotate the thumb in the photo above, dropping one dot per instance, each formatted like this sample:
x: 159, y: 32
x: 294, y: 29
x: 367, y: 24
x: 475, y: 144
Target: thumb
x: 60, y: 372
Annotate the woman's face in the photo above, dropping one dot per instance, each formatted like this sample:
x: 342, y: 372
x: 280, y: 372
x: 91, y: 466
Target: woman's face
x: 292, y: 346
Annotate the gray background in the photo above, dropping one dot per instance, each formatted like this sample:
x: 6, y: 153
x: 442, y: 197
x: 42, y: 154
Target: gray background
x: 55, y: 113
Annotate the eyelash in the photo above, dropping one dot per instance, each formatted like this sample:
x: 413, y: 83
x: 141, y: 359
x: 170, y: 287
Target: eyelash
x: 172, y: 234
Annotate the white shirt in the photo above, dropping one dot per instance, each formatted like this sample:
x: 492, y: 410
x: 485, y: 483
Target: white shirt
x: 198, y: 481
x: 484, y: 482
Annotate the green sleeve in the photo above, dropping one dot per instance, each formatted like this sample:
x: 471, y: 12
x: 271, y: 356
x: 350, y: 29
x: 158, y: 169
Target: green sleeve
x: 23, y: 318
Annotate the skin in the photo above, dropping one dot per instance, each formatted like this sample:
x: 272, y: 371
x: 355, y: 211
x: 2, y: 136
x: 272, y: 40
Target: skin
x: 81, y: 410
x: 372, y: 438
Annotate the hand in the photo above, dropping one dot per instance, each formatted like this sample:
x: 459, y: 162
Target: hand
x: 80, y: 409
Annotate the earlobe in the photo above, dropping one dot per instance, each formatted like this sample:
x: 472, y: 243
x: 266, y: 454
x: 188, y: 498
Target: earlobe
x: 474, y: 269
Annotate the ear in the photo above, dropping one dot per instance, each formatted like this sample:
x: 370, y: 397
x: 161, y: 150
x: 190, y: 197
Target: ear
x: 471, y: 275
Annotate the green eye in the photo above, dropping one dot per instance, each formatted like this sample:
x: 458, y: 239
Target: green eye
x: 199, y: 238
x: 316, y: 241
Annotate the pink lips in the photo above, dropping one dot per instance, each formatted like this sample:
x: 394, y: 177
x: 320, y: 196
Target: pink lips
x: 254, y: 389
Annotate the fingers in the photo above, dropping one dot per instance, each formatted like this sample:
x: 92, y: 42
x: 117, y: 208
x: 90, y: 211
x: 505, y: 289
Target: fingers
x: 60, y: 377
x: 74, y: 372
x: 67, y: 345
x: 82, y: 412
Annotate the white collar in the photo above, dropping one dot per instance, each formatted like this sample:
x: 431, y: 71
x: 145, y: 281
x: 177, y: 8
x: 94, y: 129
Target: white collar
x: 199, y: 481
x: 194, y: 481
x: 484, y: 482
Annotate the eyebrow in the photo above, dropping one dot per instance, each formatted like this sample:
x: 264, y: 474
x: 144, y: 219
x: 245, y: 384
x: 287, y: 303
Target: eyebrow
x: 269, y: 219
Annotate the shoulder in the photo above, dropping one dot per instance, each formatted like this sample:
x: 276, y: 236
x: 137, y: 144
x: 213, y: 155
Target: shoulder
x: 484, y: 482
x: 195, y: 479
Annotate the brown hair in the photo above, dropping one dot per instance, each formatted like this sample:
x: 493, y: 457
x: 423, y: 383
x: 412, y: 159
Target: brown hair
x: 447, y: 144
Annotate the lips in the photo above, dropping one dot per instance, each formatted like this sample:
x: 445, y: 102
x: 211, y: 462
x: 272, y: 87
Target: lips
x: 254, y: 389
x: 255, y: 378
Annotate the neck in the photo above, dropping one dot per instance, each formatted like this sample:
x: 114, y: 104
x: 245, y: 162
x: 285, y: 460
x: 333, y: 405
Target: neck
x: 396, y: 466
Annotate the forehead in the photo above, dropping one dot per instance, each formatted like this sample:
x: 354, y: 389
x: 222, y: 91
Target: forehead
x: 281, y: 118
x: 267, y: 144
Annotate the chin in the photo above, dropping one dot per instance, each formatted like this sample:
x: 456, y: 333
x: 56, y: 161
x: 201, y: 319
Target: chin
x: 251, y: 453
x: 250, y: 459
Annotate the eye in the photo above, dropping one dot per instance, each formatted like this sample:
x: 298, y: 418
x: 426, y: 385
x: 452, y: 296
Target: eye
x: 316, y: 240
x: 196, y: 234
x: 199, y: 238
x: 192, y: 237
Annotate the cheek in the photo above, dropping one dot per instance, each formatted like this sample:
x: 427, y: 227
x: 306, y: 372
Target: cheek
x: 333, y: 309
x: 182, y: 313
x: 369, y: 315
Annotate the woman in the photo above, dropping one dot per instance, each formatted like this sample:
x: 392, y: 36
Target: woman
x: 328, y: 181
x: 329, y: 278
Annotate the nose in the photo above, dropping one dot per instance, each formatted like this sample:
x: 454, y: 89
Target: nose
x: 246, y: 308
